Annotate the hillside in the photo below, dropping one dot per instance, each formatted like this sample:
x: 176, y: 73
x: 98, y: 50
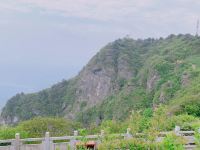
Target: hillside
x: 125, y: 75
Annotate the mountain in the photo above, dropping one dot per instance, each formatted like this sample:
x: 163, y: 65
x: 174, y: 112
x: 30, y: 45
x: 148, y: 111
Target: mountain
x: 123, y: 76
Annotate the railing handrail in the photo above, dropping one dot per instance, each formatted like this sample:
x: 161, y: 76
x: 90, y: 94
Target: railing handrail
x: 76, y: 136
x: 87, y: 137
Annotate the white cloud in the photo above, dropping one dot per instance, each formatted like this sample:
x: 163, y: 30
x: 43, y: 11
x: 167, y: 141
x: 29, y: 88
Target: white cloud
x: 121, y: 14
x: 31, y: 29
x: 6, y: 6
x: 91, y: 9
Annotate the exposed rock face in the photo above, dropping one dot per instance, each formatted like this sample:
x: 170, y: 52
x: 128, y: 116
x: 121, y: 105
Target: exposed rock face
x: 94, y: 85
x: 152, y: 80
x: 98, y: 79
x: 126, y: 74
x: 162, y: 97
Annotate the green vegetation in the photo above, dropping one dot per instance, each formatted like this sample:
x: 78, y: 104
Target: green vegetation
x: 132, y: 144
x: 38, y: 126
x: 171, y: 67
x: 151, y: 85
x: 197, y: 137
x: 171, y: 142
x: 148, y: 122
x: 145, y: 73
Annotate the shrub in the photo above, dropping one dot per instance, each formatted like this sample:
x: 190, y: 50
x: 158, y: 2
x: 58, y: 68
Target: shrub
x: 9, y: 133
x: 197, y: 137
x: 132, y: 144
x: 56, y: 126
x: 192, y: 109
x: 172, y: 142
x: 111, y: 126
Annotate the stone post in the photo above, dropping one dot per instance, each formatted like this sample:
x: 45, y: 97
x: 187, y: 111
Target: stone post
x: 17, y: 141
x: 73, y: 141
x: 177, y: 130
x: 128, y: 134
x: 47, y: 143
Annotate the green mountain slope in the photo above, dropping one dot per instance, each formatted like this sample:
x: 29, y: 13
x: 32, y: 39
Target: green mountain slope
x: 125, y: 75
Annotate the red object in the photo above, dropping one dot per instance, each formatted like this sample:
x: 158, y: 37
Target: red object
x: 89, y: 144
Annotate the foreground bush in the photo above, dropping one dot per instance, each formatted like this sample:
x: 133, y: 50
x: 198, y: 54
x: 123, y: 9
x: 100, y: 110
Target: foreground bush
x: 9, y: 133
x: 56, y: 126
x: 197, y: 137
x: 38, y: 126
x: 132, y: 144
x: 170, y: 142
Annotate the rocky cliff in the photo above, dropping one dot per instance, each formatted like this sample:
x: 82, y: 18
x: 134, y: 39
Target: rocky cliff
x: 125, y: 75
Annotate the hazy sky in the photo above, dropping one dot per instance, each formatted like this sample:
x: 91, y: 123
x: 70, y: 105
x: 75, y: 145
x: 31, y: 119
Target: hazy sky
x: 45, y: 41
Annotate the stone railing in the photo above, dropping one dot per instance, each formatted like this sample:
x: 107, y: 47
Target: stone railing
x: 71, y: 142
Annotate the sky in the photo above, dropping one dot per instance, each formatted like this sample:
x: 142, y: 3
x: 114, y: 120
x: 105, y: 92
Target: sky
x: 45, y: 41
